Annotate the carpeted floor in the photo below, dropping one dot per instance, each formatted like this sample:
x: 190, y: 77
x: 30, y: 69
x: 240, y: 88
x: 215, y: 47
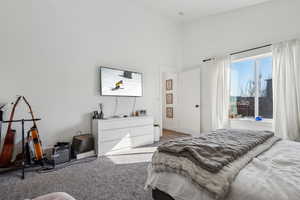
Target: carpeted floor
x: 105, y: 178
x: 118, y: 177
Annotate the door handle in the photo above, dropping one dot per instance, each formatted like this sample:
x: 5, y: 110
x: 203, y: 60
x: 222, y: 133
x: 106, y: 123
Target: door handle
x: 197, y: 106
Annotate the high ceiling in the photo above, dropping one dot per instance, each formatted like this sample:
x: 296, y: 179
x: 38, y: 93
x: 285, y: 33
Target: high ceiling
x: 185, y: 10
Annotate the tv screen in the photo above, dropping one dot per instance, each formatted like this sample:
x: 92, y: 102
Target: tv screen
x: 117, y: 82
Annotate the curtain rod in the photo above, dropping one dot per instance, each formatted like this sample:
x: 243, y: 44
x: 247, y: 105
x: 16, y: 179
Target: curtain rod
x: 268, y: 45
x: 238, y: 52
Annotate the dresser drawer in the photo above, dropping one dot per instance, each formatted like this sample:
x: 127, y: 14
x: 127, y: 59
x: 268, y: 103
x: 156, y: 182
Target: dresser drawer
x: 142, y: 140
x: 108, y: 147
x: 125, y: 123
x: 117, y: 134
x: 139, y: 131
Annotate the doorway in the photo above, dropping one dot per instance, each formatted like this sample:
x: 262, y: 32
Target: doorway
x: 181, y: 103
x: 189, y: 101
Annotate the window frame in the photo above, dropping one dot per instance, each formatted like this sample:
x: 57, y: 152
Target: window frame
x: 256, y: 74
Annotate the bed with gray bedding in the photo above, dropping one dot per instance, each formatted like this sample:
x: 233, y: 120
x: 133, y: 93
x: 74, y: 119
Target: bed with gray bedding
x: 209, y: 163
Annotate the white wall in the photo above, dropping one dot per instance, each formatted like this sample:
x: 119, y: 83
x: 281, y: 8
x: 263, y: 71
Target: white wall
x: 242, y: 29
x: 50, y: 52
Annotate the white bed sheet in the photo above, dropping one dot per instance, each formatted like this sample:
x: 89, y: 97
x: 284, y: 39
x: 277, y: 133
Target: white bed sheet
x: 274, y: 175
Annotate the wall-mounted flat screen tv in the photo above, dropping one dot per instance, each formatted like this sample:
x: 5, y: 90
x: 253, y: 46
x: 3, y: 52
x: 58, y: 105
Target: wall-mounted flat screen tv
x: 117, y: 82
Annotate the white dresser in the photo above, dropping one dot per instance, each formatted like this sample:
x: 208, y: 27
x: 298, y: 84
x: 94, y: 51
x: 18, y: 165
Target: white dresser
x: 114, y: 135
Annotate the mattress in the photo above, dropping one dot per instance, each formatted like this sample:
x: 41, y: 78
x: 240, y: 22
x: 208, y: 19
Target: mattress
x: 275, y: 174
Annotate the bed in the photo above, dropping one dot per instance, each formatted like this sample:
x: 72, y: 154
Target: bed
x: 272, y: 174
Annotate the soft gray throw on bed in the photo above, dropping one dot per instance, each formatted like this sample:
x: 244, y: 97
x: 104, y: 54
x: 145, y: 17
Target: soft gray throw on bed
x: 212, y: 151
x: 213, y: 160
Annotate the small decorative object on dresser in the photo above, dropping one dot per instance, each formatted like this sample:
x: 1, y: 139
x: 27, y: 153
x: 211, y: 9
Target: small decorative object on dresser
x: 169, y: 84
x: 169, y: 98
x: 101, y: 114
x: 143, y: 112
x: 95, y: 114
x: 169, y: 112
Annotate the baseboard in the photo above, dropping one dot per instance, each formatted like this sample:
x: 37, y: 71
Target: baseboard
x: 177, y: 131
x: 188, y: 132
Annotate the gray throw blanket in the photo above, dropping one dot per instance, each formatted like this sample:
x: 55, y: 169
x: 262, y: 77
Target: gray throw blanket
x: 212, y: 151
x: 213, y: 160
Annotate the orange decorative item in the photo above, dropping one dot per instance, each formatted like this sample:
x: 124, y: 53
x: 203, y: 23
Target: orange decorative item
x: 37, y: 144
x: 9, y: 141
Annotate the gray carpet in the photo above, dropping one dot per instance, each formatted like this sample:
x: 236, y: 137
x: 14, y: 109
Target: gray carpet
x: 104, y: 178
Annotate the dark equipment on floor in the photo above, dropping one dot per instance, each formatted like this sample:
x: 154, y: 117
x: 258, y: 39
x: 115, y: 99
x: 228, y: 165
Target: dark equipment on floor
x: 61, y: 153
x: 82, y: 143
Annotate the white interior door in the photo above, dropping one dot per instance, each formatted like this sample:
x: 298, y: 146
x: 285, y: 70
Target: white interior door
x: 189, y: 101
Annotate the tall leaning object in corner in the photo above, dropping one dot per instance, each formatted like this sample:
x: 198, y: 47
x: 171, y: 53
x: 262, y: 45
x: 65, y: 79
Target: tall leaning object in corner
x: 1, y: 120
x: 9, y: 141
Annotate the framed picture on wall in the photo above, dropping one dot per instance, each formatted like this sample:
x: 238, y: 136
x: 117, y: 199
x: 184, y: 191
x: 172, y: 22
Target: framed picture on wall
x: 169, y: 98
x: 169, y: 112
x: 169, y: 84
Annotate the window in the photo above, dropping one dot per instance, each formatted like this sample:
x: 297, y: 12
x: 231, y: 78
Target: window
x: 251, y: 87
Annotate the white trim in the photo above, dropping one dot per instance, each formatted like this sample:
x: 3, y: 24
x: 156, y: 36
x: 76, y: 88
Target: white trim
x: 265, y: 120
x: 256, y: 101
x: 252, y: 124
x: 251, y: 57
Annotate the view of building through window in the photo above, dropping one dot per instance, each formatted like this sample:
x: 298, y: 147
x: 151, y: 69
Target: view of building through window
x: 251, y: 88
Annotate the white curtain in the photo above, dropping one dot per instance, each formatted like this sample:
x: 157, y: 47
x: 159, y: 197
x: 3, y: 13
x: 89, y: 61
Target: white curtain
x: 286, y: 89
x: 221, y: 94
